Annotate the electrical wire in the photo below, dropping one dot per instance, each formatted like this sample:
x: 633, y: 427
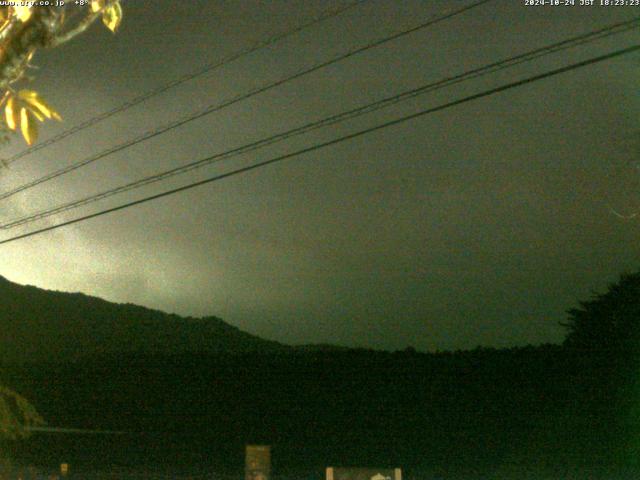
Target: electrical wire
x: 335, y: 141
x: 331, y: 13
x: 604, y: 32
x: 219, y: 106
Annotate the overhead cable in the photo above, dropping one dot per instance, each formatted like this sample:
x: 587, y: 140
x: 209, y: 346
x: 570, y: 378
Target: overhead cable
x: 333, y: 12
x: 334, y: 119
x: 219, y: 106
x: 334, y: 141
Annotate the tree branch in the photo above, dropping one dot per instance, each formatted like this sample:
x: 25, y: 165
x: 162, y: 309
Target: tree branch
x: 85, y: 23
x: 19, y: 40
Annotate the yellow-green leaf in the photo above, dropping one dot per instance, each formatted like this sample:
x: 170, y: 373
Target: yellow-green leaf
x: 36, y: 113
x: 112, y: 16
x: 38, y: 104
x: 28, y: 127
x: 11, y: 113
x: 23, y: 13
x: 97, y: 5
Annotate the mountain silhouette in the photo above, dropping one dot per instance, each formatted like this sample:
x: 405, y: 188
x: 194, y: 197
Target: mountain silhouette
x: 43, y: 325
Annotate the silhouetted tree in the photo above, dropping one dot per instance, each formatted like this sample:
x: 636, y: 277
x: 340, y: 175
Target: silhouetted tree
x: 610, y: 322
x: 604, y: 342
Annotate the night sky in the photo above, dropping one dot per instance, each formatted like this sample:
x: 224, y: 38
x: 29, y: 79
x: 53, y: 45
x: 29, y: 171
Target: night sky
x: 478, y: 225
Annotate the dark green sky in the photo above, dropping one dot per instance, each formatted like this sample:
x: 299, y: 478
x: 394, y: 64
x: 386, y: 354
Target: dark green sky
x: 478, y: 225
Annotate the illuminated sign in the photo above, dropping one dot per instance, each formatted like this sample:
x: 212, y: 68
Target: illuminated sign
x: 257, y: 462
x: 364, y: 473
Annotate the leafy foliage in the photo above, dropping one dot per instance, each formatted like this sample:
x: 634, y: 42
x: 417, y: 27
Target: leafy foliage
x: 111, y: 13
x: 23, y: 109
x: 16, y: 415
x: 24, y: 30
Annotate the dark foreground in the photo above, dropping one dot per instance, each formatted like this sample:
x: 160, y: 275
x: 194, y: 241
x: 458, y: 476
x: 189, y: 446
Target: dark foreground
x: 536, y: 412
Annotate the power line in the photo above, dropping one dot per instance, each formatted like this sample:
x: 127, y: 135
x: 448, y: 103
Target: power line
x: 334, y: 12
x: 371, y: 107
x: 335, y: 141
x: 219, y: 106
